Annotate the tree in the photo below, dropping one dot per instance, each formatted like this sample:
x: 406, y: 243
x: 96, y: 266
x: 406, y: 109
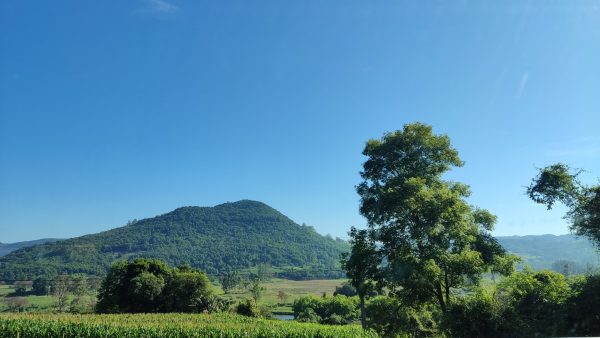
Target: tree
x: 256, y: 288
x: 21, y: 288
x: 346, y: 289
x: 264, y: 271
x: 186, y: 290
x: 60, y: 290
x: 79, y: 287
x: 283, y: 296
x: 41, y: 286
x: 361, y: 266
x: 149, y: 285
x: 560, y: 183
x: 230, y: 280
x: 430, y: 239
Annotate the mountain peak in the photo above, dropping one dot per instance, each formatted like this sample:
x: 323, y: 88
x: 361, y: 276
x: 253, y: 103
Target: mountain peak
x: 228, y: 236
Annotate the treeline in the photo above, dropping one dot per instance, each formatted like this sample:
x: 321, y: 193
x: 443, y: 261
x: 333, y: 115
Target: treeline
x: 71, y: 293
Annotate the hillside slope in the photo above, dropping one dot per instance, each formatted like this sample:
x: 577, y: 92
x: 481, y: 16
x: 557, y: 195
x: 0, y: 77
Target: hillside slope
x: 6, y: 248
x: 542, y: 251
x: 215, y: 239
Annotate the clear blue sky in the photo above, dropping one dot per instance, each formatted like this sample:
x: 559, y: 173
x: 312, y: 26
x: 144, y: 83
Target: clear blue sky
x: 115, y: 110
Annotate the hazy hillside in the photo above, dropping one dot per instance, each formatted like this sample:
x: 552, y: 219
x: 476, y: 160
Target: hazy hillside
x: 6, y: 248
x: 215, y: 239
x: 541, y: 251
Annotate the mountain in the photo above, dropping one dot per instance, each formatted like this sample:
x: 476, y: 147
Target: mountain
x: 216, y: 239
x: 6, y: 248
x: 542, y: 251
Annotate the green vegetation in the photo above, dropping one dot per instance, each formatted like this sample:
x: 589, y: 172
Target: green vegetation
x: 335, y: 310
x: 6, y: 248
x: 148, y: 285
x: 163, y: 325
x: 559, y: 183
x: 230, y: 236
x: 429, y: 240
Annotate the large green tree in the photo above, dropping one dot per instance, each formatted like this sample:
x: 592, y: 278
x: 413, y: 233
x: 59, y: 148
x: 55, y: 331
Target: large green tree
x: 560, y: 183
x: 430, y: 239
x: 149, y: 285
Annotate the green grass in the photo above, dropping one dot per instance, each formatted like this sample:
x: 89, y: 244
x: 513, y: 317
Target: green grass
x: 163, y: 325
x: 5, y: 289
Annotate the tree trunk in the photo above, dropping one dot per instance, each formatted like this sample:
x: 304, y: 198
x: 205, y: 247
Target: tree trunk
x: 440, y: 297
x: 363, y: 314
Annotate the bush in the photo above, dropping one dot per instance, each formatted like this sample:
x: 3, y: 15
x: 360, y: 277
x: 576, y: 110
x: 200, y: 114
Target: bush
x: 584, y: 307
x: 345, y: 290
x: 537, y: 301
x: 390, y: 318
x: 338, y: 309
x: 212, y: 303
x: 479, y: 315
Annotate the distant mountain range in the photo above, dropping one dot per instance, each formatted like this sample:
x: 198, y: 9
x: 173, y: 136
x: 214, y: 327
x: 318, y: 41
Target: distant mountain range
x: 230, y: 236
x: 6, y: 248
x: 542, y: 251
x: 240, y: 235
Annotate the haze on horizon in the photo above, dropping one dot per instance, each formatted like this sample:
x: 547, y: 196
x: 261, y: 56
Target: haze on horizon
x: 114, y: 110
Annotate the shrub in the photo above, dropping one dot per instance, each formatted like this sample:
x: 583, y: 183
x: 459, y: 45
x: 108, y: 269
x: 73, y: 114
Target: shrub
x: 584, y: 307
x: 343, y: 309
x: 390, y: 318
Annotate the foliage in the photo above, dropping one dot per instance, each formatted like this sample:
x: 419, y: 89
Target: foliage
x: 583, y: 313
x: 430, y: 239
x: 330, y: 310
x: 227, y: 237
x: 255, y: 287
x: 41, y: 286
x: 60, y: 291
x: 559, y: 183
x: 164, y: 325
x: 283, y: 296
x: 248, y: 308
x: 346, y: 289
x: 390, y: 318
x: 538, y: 300
x: 361, y: 266
x: 149, y: 285
x: 230, y: 281
x: 481, y: 314
x: 529, y: 304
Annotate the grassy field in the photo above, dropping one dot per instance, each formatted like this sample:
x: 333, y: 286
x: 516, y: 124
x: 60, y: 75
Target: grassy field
x: 164, y: 325
x: 294, y: 289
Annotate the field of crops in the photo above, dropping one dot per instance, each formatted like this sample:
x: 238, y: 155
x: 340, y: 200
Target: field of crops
x: 162, y: 325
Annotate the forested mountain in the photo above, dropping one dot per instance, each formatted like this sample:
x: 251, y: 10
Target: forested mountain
x: 544, y: 251
x: 6, y: 248
x: 214, y: 239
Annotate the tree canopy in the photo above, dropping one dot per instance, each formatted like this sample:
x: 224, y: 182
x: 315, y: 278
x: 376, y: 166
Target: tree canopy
x: 560, y: 183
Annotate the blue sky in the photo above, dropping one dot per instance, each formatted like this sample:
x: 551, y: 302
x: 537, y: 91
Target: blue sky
x: 115, y: 110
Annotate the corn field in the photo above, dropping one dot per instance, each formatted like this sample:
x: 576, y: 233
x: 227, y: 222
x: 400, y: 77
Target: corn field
x: 41, y: 325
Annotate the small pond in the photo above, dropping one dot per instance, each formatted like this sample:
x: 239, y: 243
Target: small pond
x: 283, y: 316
